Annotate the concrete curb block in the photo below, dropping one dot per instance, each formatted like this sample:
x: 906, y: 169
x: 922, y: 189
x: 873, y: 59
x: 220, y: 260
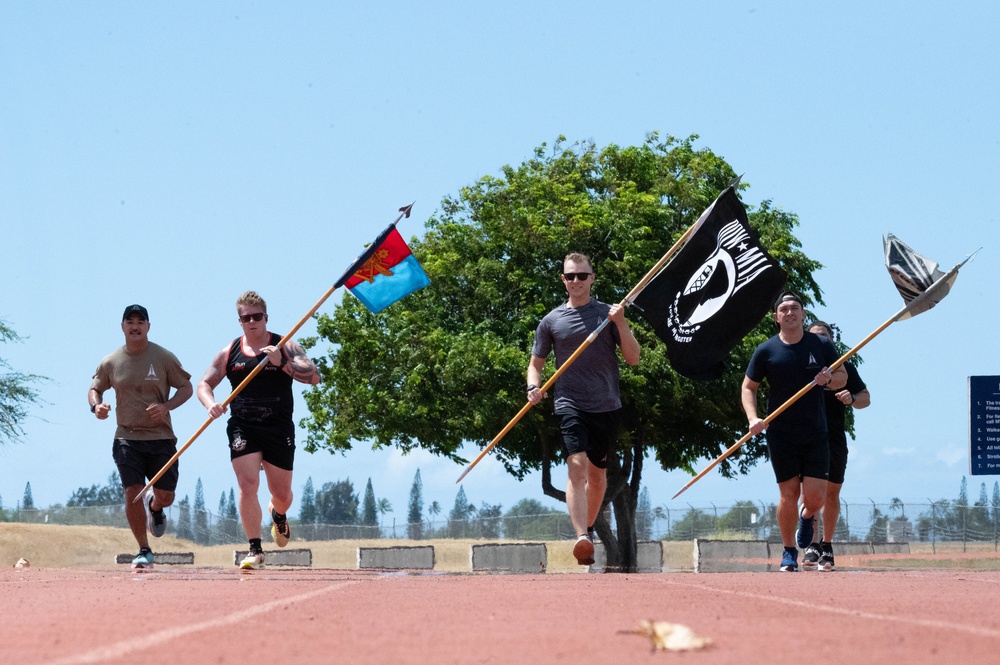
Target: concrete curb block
x: 732, y: 556
x: 648, y: 557
x: 509, y: 558
x: 419, y: 557
x: 301, y: 558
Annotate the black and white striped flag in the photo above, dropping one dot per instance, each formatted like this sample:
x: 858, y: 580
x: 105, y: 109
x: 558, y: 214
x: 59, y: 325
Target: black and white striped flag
x: 913, y: 274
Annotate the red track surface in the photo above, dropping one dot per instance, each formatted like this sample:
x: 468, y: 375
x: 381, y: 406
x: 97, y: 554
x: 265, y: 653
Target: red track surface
x: 203, y: 615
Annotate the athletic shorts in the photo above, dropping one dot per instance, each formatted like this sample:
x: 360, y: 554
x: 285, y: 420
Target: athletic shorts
x: 276, y: 448
x: 838, y: 457
x: 591, y: 433
x: 799, y: 455
x: 138, y: 461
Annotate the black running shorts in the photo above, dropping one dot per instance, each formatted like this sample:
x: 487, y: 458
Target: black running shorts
x: 806, y: 455
x: 138, y: 461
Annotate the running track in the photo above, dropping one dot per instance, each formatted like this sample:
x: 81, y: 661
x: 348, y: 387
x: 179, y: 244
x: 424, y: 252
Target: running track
x: 206, y: 615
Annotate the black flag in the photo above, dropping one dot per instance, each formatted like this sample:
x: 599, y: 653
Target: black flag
x: 714, y: 291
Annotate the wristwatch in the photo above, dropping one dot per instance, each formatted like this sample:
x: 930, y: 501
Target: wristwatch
x: 531, y: 387
x: 93, y: 408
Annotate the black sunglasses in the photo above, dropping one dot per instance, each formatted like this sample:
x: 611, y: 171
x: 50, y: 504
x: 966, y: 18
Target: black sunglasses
x: 247, y: 318
x: 581, y: 276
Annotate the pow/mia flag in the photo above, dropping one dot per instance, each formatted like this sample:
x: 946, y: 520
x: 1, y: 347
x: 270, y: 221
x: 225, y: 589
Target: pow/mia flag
x: 713, y: 292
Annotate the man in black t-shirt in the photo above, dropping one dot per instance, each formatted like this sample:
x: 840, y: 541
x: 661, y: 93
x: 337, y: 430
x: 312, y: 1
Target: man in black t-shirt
x: 797, y: 438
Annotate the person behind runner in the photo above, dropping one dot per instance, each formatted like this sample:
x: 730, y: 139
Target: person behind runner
x: 587, y: 398
x: 854, y: 394
x: 797, y: 438
x: 142, y: 374
x: 261, y: 431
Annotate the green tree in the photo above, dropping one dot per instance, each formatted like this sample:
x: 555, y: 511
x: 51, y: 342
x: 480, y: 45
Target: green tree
x: 528, y: 519
x: 384, y: 506
x: 461, y: 513
x: 433, y: 510
x: 232, y: 531
x: 879, y: 529
x: 693, y: 524
x: 111, y: 494
x: 16, y: 392
x: 644, y: 516
x: 490, y: 521
x: 740, y: 519
x: 307, y: 505
x: 995, y: 510
x: 184, y: 529
x: 27, y: 501
x: 369, y: 511
x: 493, y: 254
x: 336, y: 503
x: 415, y: 510
x: 221, y: 532
x: 201, y: 533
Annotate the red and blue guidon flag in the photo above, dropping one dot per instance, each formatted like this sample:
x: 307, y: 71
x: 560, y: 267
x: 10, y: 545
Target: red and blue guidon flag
x: 386, y: 272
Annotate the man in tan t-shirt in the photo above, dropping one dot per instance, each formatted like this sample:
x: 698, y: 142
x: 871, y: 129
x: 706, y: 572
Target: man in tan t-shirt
x: 142, y: 374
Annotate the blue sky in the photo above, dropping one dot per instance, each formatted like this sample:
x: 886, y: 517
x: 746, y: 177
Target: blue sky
x: 177, y: 155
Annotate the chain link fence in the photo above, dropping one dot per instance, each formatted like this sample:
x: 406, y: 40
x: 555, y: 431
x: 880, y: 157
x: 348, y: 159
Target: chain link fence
x: 942, y: 521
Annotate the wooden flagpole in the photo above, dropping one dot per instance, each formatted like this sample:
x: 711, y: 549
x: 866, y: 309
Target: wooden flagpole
x: 404, y: 212
x: 919, y: 300
x: 590, y: 338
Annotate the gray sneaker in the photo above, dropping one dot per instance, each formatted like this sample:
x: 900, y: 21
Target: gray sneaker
x: 143, y: 560
x: 811, y: 559
x: 156, y: 520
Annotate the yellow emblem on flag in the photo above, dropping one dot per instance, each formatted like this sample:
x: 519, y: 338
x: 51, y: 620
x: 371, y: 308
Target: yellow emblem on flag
x: 378, y: 264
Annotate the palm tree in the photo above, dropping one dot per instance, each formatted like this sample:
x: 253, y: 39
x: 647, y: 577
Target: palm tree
x: 432, y: 510
x: 896, y: 504
x: 383, y: 506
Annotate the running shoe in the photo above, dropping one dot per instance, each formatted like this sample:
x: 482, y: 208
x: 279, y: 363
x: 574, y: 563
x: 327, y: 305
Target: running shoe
x: 811, y: 559
x: 804, y: 536
x: 280, y: 531
x: 143, y: 560
x: 253, y: 561
x: 156, y: 520
x: 826, y: 558
x: 584, y: 550
x: 789, y: 560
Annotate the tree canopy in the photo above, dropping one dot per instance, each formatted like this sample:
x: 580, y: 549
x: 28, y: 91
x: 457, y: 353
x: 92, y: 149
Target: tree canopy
x: 16, y: 392
x: 447, y: 364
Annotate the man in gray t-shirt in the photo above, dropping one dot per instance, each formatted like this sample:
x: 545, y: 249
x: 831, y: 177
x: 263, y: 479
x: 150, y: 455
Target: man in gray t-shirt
x: 587, y: 399
x: 142, y: 374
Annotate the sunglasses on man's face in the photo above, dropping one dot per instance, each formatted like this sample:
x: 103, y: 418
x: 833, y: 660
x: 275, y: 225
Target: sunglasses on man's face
x: 257, y: 316
x: 581, y: 276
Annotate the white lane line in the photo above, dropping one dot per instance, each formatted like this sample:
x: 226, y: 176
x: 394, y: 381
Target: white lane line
x: 857, y: 614
x: 125, y: 647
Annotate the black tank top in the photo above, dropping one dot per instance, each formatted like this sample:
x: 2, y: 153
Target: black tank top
x: 267, y: 400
